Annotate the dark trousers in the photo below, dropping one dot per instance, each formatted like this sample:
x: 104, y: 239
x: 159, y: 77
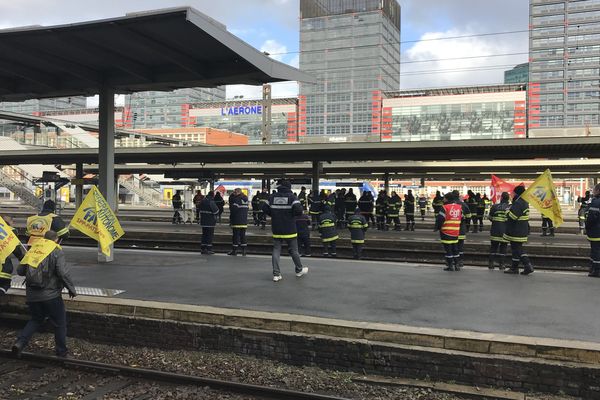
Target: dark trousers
x: 479, y: 219
x: 329, y: 248
x: 498, y: 252
x: 357, y: 249
x: 239, y: 237
x: 395, y: 220
x: 422, y: 214
x: 547, y: 226
x: 197, y: 210
x: 370, y: 218
x: 54, y: 311
x: 595, y: 255
x: 452, y: 254
x: 519, y: 256
x: 177, y: 216
x: 304, y: 244
x: 380, y: 222
x: 410, y: 220
x: 460, y: 246
x: 256, y: 217
x: 208, y: 234
x: 314, y: 220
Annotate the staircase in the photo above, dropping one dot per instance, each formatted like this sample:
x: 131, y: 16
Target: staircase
x: 146, y: 194
x: 26, y: 195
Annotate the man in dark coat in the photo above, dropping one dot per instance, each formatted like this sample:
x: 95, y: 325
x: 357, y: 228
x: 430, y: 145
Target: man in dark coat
x: 238, y: 220
x: 208, y: 221
x: 517, y: 232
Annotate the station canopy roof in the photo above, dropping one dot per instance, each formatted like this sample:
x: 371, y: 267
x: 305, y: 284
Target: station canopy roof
x: 156, y: 50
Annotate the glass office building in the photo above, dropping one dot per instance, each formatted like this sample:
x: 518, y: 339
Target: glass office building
x: 37, y: 106
x: 519, y: 74
x: 352, y: 47
x: 166, y: 109
x: 476, y: 112
x: 564, y: 70
x: 245, y: 117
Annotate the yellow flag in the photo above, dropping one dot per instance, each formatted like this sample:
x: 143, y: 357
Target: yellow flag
x: 38, y: 252
x: 542, y: 195
x: 96, y: 219
x: 8, y: 241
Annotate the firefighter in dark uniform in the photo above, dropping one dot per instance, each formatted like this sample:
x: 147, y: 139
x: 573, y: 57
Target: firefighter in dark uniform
x: 238, y: 220
x: 381, y: 209
x: 498, y: 243
x: 303, y: 228
x: 472, y: 203
x: 208, y: 221
x: 517, y: 231
x: 350, y: 203
x: 256, y: 208
x: 10, y: 262
x: 220, y: 202
x: 480, y: 212
x: 581, y: 214
x: 302, y: 197
x: 437, y: 203
x: 328, y: 232
x: 177, y: 207
x: 448, y: 222
x: 358, y: 228
x: 409, y: 210
x: 264, y: 199
x: 592, y: 227
x: 464, y: 226
x: 422, y: 206
x: 394, y: 206
x: 315, y: 209
x: 340, y: 207
x: 365, y: 203
x: 46, y: 220
x: 547, y: 226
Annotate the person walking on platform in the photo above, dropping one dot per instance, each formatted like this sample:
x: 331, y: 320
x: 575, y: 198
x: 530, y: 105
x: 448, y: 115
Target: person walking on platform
x: 220, y: 202
x: 422, y: 206
x: 283, y: 207
x: 464, y: 226
x: 264, y: 199
x: 472, y: 204
x: 350, y: 203
x: 498, y: 243
x: 238, y: 220
x: 256, y: 208
x: 394, y: 206
x: 517, y: 231
x: 448, y: 222
x: 583, y: 208
x: 340, y: 207
x: 592, y: 227
x: 303, y: 228
x: 43, y: 290
x: 177, y: 207
x: 208, y: 221
x: 302, y: 198
x: 480, y: 212
x: 381, y: 209
x: 328, y: 231
x: 437, y: 203
x: 197, y: 200
x: 358, y: 228
x: 547, y: 226
x: 9, y: 262
x: 315, y: 209
x: 46, y: 220
x: 365, y: 203
x: 409, y: 211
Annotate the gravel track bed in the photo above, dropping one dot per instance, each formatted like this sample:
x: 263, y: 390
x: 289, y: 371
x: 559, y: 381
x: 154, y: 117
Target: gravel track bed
x: 225, y: 366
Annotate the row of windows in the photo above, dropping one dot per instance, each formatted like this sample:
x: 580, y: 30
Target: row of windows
x: 575, y: 84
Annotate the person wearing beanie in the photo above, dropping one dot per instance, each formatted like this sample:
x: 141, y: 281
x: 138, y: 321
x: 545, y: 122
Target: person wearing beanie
x: 328, y: 231
x: 283, y: 207
x: 592, y: 227
x: 498, y: 243
x: 517, y: 231
x: 46, y: 220
x: 358, y: 226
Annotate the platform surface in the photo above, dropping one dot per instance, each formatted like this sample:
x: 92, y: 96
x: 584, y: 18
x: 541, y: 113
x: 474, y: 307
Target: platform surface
x: 545, y: 304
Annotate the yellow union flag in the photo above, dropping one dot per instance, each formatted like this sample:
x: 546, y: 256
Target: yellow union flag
x: 542, y: 195
x: 8, y: 241
x: 96, y: 219
x: 38, y: 252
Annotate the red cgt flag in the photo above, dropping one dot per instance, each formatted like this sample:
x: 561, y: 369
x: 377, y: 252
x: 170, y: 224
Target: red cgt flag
x: 498, y: 186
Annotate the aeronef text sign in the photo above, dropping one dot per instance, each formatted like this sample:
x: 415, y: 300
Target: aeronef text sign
x: 242, y: 110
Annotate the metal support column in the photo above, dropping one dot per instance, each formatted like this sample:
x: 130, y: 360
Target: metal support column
x: 78, y: 184
x: 316, y: 172
x: 266, y: 114
x: 386, y: 182
x: 106, y: 152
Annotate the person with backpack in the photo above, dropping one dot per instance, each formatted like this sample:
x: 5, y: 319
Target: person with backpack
x: 46, y: 274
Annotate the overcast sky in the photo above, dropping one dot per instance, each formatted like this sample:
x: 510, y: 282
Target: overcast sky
x: 272, y: 25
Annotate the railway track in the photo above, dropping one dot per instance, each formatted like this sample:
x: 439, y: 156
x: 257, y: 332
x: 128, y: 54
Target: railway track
x: 46, y: 377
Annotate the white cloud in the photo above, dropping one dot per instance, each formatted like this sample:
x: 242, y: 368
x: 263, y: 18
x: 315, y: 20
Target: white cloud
x: 454, y: 66
x: 276, y: 50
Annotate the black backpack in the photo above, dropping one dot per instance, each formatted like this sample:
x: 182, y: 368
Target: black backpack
x: 38, y: 278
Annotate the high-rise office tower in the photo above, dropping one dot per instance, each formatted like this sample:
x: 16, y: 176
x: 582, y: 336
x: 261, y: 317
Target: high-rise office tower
x: 352, y: 47
x: 564, y: 68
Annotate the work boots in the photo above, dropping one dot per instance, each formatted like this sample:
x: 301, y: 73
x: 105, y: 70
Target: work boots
x: 244, y: 251
x: 233, y: 252
x: 527, y: 267
x: 450, y: 265
x: 491, y: 262
x: 412, y: 227
x: 407, y: 227
x: 552, y: 232
x: 458, y: 263
x: 514, y: 269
